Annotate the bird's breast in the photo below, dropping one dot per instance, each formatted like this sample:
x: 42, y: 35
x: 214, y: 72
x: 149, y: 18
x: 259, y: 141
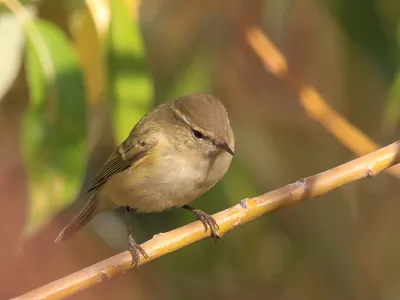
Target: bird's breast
x: 170, y: 180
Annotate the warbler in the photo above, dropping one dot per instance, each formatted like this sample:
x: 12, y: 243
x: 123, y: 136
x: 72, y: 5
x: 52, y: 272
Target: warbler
x: 173, y: 155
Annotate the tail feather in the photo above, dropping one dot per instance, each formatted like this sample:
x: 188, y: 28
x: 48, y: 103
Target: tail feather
x: 81, y: 219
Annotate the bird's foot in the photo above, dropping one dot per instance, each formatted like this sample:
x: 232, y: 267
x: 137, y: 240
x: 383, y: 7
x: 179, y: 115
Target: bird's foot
x: 135, y: 250
x: 209, y: 223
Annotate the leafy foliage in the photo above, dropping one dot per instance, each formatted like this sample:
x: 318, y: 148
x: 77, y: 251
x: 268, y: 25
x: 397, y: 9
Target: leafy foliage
x: 130, y: 86
x: 56, y: 120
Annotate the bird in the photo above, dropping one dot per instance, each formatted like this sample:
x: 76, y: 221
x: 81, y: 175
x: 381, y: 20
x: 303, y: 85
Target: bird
x: 174, y: 154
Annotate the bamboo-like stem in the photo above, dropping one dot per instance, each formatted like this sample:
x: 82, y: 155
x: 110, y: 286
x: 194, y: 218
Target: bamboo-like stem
x: 313, y: 103
x: 247, y: 210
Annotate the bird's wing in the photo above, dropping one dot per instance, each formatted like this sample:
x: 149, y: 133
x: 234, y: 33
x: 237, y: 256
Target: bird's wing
x: 126, y: 154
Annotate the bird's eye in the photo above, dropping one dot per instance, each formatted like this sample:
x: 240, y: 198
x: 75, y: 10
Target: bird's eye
x: 197, y: 134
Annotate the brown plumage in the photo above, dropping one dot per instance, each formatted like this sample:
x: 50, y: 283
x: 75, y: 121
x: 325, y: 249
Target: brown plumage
x: 173, y: 155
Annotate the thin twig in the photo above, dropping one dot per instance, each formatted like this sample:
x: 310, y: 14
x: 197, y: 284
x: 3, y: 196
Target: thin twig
x: 247, y: 210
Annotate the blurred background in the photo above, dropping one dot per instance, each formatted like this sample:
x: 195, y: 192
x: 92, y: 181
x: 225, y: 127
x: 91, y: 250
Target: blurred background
x: 77, y: 75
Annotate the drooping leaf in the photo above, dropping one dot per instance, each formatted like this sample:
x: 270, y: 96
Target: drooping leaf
x: 12, y: 42
x: 56, y: 121
x: 363, y: 26
x: 130, y: 86
x: 392, y: 111
x: 87, y: 28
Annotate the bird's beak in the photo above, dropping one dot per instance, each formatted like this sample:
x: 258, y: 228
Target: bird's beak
x: 226, y: 147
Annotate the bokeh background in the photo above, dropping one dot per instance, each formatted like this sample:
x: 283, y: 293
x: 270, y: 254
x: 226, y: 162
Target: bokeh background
x: 75, y: 76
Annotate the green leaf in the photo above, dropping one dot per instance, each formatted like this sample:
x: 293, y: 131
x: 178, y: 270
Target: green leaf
x: 392, y: 111
x: 364, y: 27
x: 56, y: 121
x: 12, y: 41
x: 131, y: 88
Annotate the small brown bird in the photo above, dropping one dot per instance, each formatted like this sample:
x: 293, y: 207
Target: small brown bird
x: 173, y: 155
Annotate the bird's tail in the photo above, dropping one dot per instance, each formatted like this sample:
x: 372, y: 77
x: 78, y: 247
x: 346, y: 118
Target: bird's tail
x: 81, y: 219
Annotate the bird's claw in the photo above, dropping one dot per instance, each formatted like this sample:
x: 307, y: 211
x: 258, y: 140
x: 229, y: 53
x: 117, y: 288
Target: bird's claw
x: 135, y: 250
x: 209, y: 223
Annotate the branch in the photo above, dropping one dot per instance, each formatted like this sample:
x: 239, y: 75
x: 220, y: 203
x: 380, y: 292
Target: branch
x: 247, y: 210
